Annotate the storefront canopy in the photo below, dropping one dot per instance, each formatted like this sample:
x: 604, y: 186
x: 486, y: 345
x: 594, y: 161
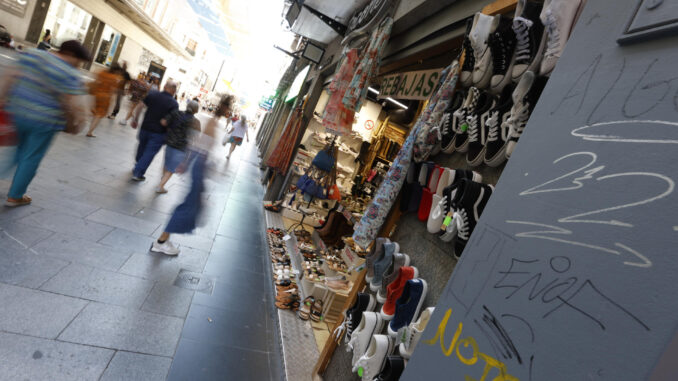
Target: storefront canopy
x: 311, y: 26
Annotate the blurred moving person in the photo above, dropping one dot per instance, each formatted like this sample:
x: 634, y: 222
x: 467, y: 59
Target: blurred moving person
x: 138, y: 89
x: 102, y: 88
x: 120, y: 91
x: 238, y: 132
x: 180, y: 125
x: 41, y: 94
x: 46, y: 42
x: 185, y: 216
x: 152, y: 134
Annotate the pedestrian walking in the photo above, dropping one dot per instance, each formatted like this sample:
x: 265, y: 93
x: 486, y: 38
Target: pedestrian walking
x: 152, y: 133
x: 180, y: 125
x: 185, y: 217
x: 120, y: 91
x: 138, y: 90
x: 102, y: 88
x: 238, y: 132
x: 41, y: 96
x: 46, y: 42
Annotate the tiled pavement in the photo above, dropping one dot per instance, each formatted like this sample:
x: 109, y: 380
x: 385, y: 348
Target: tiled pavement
x: 82, y: 297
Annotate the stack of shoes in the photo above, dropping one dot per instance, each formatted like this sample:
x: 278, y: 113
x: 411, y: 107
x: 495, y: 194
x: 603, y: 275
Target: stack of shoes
x: 373, y: 361
x: 525, y: 97
x: 376, y: 252
x: 353, y: 316
x: 483, y: 27
x: 415, y: 331
x: 393, y: 369
x: 311, y: 308
x: 370, y: 325
x: 467, y: 213
x: 408, y: 305
x: 287, y: 299
x: 395, y: 289
x: 470, y: 128
x: 384, y: 262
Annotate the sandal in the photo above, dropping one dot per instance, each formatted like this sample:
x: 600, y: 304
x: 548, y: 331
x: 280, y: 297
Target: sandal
x: 25, y: 200
x: 287, y: 302
x: 317, y: 311
x: 305, y: 310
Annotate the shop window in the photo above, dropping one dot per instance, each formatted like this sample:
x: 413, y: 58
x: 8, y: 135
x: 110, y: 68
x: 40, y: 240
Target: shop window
x: 66, y: 22
x: 110, y: 40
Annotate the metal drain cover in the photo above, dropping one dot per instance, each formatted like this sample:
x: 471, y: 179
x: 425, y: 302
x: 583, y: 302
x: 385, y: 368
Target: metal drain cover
x: 194, y: 281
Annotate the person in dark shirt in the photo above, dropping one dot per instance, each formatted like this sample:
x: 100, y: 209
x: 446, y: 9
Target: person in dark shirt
x: 152, y: 132
x: 180, y: 125
x: 121, y: 70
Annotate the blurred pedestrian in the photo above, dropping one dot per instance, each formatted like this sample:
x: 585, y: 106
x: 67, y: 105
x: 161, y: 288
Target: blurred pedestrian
x: 238, y: 132
x: 102, y: 88
x: 185, y: 217
x: 180, y: 125
x: 155, y: 83
x: 152, y: 132
x: 120, y: 91
x: 138, y: 89
x: 41, y: 94
x: 46, y: 42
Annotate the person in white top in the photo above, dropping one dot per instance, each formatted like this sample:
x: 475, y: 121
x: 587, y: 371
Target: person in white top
x: 238, y: 131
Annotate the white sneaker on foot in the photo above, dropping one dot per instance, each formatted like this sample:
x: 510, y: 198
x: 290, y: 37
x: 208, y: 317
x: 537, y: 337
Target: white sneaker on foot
x: 166, y: 248
x: 123, y: 122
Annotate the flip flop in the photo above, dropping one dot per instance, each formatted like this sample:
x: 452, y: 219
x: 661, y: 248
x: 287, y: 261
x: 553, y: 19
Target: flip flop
x: 12, y: 202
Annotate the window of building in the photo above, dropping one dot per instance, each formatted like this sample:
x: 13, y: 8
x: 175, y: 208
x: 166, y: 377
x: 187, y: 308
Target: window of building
x: 191, y: 45
x: 110, y: 40
x: 66, y: 22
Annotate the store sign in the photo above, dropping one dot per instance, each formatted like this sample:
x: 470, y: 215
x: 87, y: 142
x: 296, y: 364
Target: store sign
x: 266, y: 103
x: 411, y: 85
x: 362, y: 18
x: 17, y: 7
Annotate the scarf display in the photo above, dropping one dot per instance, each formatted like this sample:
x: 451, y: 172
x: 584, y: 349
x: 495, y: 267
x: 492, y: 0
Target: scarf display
x: 337, y: 119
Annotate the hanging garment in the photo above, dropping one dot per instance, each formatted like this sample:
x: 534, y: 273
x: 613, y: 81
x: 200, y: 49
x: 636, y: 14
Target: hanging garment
x: 337, y: 119
x: 429, y: 135
x: 368, y: 227
x: 282, y: 153
x: 368, y: 67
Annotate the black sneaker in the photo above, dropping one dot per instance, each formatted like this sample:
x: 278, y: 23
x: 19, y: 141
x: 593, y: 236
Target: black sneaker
x: 498, y: 129
x: 522, y: 107
x: 393, y: 369
x: 502, y: 45
x: 447, y: 130
x: 352, y: 316
x: 476, y: 196
x: 483, y: 102
x: 452, y: 196
x: 477, y: 135
x: 466, y: 76
x: 530, y: 37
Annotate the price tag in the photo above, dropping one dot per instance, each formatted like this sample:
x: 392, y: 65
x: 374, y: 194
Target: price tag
x: 464, y: 127
x: 447, y: 221
x: 403, y: 334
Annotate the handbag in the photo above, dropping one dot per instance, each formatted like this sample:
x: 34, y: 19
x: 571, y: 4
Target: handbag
x: 227, y: 137
x: 324, y: 160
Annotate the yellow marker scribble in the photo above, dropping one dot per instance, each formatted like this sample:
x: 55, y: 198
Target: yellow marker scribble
x: 441, y: 333
x: 466, y: 342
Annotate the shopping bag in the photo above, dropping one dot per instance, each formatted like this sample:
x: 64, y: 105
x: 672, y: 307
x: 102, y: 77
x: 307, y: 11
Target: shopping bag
x: 226, y: 138
x: 8, y: 142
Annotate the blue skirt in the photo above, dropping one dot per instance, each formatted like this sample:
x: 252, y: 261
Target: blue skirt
x: 185, y: 216
x: 173, y: 158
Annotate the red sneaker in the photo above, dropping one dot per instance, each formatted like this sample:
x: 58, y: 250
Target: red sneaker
x: 395, y: 289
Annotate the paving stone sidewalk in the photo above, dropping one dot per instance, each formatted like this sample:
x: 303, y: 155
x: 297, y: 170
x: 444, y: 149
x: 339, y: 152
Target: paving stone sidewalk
x: 83, y: 298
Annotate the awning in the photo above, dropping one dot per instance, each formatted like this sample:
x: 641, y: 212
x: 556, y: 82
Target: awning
x: 311, y: 26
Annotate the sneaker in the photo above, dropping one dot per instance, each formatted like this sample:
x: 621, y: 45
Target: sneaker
x: 498, y: 129
x: 370, y: 324
x: 408, y: 305
x: 453, y: 196
x: 443, y: 207
x: 558, y: 18
x: 530, y: 38
x: 372, y: 362
x: 477, y: 134
x: 417, y: 328
x: 459, y: 123
x: 12, y: 202
x: 525, y: 97
x: 473, y: 122
x: 483, y: 27
x: 139, y: 178
x: 353, y: 316
x: 502, y: 45
x: 376, y: 253
x: 476, y: 196
x: 382, y: 264
x: 446, y: 129
x: 166, y: 248
x: 393, y: 369
x: 466, y: 75
x: 399, y: 260
x: 123, y: 122
x: 395, y: 289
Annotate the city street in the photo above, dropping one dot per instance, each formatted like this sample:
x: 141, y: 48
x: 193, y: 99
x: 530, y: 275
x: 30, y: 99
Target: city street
x: 83, y: 298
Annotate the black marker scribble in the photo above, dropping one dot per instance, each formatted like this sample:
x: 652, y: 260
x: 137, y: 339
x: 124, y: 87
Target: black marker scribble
x: 500, y: 334
x: 525, y: 322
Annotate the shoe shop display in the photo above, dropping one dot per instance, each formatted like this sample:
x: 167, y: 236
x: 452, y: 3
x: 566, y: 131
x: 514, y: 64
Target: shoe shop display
x: 376, y: 253
x: 476, y: 195
x: 483, y: 27
x: 372, y: 362
x: 427, y: 193
x: 393, y: 369
x: 414, y: 333
x: 558, y: 17
x: 460, y: 119
x: 466, y: 75
x: 502, y: 46
x: 477, y: 134
x: 352, y: 317
x: 370, y: 325
x: 446, y: 129
x: 442, y: 216
x: 395, y: 289
x: 457, y: 117
x: 393, y: 271
x: 525, y: 98
x: 472, y: 124
x: 530, y: 38
x: 382, y: 264
x: 408, y: 305
x: 498, y: 129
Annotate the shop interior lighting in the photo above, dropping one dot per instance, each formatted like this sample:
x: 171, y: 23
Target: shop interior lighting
x: 373, y: 90
x: 395, y: 102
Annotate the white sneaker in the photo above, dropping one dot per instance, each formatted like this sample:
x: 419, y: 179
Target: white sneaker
x: 166, y: 248
x: 370, y: 324
x: 417, y: 328
x: 370, y: 364
x: 558, y: 18
x: 123, y: 122
x: 435, y: 218
x: 483, y: 27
